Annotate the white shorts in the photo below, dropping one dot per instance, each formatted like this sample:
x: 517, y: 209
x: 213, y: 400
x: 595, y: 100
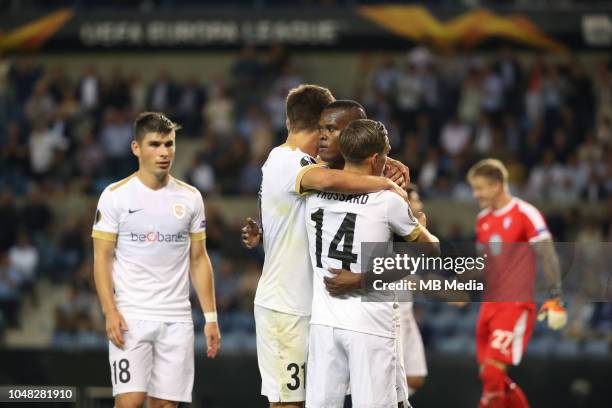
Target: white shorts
x: 338, y: 358
x: 157, y: 358
x: 282, y: 345
x: 412, y: 348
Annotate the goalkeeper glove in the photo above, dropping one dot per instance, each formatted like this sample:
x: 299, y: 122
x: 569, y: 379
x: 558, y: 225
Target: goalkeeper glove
x: 555, y: 312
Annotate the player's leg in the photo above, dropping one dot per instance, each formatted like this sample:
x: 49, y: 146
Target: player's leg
x: 493, y: 378
x: 173, y: 365
x: 130, y: 400
x: 130, y: 366
x: 282, y: 345
x: 510, y: 329
x: 328, y: 369
x: 412, y: 349
x: 374, y: 368
x: 153, y: 402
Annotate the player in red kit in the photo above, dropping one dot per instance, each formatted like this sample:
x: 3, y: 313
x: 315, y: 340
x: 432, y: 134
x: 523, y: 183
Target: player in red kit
x: 503, y: 228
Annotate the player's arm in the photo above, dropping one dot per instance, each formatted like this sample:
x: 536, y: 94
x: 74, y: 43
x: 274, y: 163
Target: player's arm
x: 104, y: 250
x: 553, y: 308
x: 202, y: 280
x: 322, y: 179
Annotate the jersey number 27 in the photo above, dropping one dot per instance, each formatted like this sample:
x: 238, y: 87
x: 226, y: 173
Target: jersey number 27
x: 346, y: 231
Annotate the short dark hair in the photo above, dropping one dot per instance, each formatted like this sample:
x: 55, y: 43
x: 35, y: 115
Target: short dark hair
x: 348, y: 104
x: 361, y: 139
x: 152, y: 122
x: 491, y: 169
x: 305, y: 104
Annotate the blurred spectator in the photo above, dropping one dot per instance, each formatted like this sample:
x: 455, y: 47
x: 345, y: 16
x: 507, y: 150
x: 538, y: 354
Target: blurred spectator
x: 219, y: 111
x: 9, y: 219
x: 117, y: 93
x: 163, y: 93
x: 90, y: 89
x: 455, y: 136
x: 246, y: 73
x: 23, y: 77
x: 9, y: 290
x: 90, y: 156
x: 385, y: 77
x: 408, y: 96
x: 190, y: 102
x: 138, y: 93
x: 36, y: 213
x: 41, y: 104
x: 14, y: 163
x: 24, y: 260
x: 201, y: 174
x: 58, y: 83
x: 73, y: 315
x: 471, y: 96
x: 116, y: 138
x: 492, y: 91
x: 71, y: 248
x: 256, y: 130
x: 44, y: 144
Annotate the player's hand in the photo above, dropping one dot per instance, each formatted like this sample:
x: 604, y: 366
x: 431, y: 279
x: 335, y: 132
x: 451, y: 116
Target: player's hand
x: 251, y: 233
x: 422, y: 218
x: 115, y: 326
x: 342, y: 282
x: 458, y: 304
x: 392, y: 186
x: 555, y: 312
x: 213, y: 339
x: 397, y: 172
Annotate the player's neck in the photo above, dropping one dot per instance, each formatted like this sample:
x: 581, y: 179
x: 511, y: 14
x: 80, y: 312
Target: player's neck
x: 151, y: 181
x: 503, y: 200
x: 363, y: 168
x: 305, y: 140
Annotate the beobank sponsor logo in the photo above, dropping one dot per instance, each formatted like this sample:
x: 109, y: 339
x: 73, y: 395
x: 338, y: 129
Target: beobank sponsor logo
x: 156, y: 236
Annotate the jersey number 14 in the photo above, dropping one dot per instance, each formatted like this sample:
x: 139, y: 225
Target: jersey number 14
x: 346, y: 231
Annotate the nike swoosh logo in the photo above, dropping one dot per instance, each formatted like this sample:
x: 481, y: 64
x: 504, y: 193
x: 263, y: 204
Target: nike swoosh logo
x: 133, y: 211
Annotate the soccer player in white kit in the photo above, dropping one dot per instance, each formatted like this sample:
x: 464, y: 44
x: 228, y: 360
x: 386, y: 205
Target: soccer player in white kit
x: 149, y: 239
x: 353, y: 342
x: 412, y: 347
x: 284, y: 293
x: 334, y: 119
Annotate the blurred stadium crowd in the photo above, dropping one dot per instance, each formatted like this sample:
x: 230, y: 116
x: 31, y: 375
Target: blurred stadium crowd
x: 549, y: 120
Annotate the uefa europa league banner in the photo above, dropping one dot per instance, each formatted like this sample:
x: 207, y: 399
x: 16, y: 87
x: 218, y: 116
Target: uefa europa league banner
x: 364, y: 27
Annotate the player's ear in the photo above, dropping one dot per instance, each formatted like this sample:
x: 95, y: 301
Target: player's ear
x: 135, y: 148
x: 374, y: 159
x: 288, y: 125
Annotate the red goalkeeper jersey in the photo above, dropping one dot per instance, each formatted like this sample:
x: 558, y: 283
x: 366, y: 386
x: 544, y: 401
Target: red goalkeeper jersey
x: 503, y: 235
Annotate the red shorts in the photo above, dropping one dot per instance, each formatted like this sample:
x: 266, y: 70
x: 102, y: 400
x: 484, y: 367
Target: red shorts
x: 503, y: 331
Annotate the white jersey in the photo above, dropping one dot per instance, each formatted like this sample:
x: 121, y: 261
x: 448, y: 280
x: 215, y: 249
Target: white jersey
x: 337, y: 224
x: 153, y: 230
x: 286, y: 281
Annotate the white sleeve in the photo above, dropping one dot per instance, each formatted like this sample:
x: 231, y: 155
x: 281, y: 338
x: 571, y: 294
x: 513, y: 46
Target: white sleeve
x: 197, y: 229
x: 106, y: 223
x: 535, y: 225
x: 289, y: 167
x: 400, y: 218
